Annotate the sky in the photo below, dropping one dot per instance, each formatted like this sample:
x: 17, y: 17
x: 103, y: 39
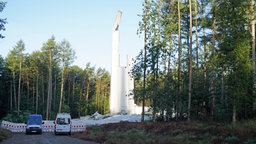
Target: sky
x: 85, y: 24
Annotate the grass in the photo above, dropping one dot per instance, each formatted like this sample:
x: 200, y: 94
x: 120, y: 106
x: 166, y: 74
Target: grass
x: 4, y: 134
x: 171, y: 133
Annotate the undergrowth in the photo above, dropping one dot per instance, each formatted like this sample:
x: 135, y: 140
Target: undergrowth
x: 171, y: 133
x: 4, y: 134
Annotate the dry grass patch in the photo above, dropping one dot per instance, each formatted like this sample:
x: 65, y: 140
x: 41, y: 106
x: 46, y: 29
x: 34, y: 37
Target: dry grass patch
x: 171, y: 133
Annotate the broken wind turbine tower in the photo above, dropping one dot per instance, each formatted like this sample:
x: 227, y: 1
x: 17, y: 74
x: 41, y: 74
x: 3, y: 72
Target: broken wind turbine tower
x: 122, y: 83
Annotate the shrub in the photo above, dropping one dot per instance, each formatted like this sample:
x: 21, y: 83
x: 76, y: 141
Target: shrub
x: 4, y: 134
x: 16, y: 117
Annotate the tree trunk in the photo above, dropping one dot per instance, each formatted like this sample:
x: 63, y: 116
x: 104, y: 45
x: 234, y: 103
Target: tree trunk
x: 36, y: 93
x: 253, y: 49
x: 178, y: 107
x: 33, y: 97
x: 69, y: 90
x: 169, y: 56
x: 87, y: 95
x: 222, y: 89
x: 14, y: 91
x: 144, y: 63
x: 19, y: 90
x: 197, y: 43
x: 42, y: 88
x: 62, y: 87
x: 205, y: 50
x: 144, y: 76
x: 49, y: 86
x: 253, y: 40
x: 11, y: 98
x: 190, y: 62
x: 155, y: 93
x: 27, y: 88
x: 80, y: 99
x: 73, y: 91
x: 234, y: 111
x: 212, y: 89
x: 54, y: 92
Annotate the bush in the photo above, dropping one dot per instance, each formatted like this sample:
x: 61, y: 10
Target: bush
x: 4, y: 134
x: 195, y: 132
x: 17, y: 118
x: 130, y: 136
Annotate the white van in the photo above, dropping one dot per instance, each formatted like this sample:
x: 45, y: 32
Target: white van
x: 62, y: 123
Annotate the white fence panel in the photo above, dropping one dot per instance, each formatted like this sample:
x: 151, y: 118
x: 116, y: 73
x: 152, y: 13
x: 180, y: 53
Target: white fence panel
x: 78, y: 126
x: 48, y: 126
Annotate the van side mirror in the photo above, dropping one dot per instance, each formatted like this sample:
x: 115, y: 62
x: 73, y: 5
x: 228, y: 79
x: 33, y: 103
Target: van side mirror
x: 43, y: 122
x: 25, y: 122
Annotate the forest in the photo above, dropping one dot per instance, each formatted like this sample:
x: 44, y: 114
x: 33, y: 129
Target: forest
x: 45, y: 82
x: 198, y: 60
x: 197, y: 63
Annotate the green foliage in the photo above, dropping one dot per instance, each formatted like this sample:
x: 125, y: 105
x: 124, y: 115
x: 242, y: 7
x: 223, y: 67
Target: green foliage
x: 66, y: 53
x: 222, y: 57
x: 130, y: 136
x: 4, y: 77
x: 3, y: 21
x: 66, y: 108
x: 79, y: 86
x: 230, y: 139
x: 16, y: 117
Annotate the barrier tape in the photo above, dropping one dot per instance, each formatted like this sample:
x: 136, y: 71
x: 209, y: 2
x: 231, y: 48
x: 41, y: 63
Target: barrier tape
x: 48, y: 126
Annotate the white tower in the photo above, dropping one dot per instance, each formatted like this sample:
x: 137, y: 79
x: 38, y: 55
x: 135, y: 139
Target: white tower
x: 121, y: 88
x: 130, y: 87
x: 115, y: 72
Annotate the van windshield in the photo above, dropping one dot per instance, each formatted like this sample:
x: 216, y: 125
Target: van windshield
x: 63, y: 121
x: 36, y: 121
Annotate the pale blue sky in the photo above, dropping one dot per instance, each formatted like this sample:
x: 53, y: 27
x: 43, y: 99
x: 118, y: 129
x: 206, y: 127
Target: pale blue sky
x: 86, y: 24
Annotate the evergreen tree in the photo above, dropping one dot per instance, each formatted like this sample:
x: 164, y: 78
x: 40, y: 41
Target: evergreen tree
x: 3, y: 21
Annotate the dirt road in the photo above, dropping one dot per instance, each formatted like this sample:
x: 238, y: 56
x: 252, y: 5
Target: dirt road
x: 45, y: 138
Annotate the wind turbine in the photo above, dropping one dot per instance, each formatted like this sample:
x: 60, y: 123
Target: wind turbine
x: 115, y: 72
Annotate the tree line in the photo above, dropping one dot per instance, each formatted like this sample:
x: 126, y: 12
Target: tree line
x: 45, y: 82
x: 198, y: 60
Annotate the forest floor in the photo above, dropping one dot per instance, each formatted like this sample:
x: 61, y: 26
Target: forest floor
x: 171, y: 133
x: 4, y: 134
